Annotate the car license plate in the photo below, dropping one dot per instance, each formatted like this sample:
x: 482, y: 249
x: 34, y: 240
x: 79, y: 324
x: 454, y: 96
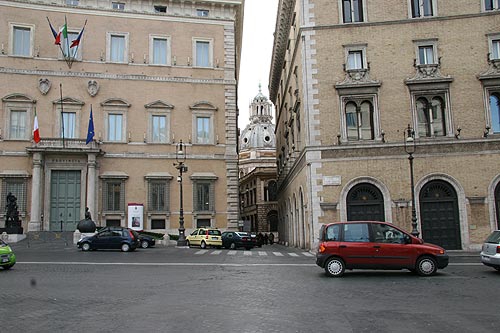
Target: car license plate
x: 486, y: 258
x: 214, y: 238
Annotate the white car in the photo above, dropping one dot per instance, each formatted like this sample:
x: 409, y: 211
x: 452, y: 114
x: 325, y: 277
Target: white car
x: 490, y: 254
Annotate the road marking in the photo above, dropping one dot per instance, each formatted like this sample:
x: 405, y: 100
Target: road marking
x: 216, y: 252
x: 201, y: 252
x: 308, y: 254
x: 156, y: 264
x: 293, y: 254
x: 231, y: 253
x: 262, y: 253
x: 278, y: 254
x: 247, y: 253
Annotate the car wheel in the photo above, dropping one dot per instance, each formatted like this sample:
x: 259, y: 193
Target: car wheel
x: 426, y: 266
x: 188, y: 244
x: 248, y: 248
x: 85, y: 246
x: 203, y: 245
x: 232, y: 246
x: 125, y: 247
x: 497, y: 268
x: 335, y: 267
x: 144, y: 244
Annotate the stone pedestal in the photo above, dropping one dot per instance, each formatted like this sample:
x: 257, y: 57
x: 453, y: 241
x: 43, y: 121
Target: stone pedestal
x: 77, y: 235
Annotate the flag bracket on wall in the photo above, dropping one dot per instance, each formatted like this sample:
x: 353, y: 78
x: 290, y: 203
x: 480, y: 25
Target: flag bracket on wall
x: 68, y: 42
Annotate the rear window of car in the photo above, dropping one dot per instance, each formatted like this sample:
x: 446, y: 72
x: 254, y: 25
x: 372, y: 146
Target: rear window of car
x: 243, y: 234
x: 494, y: 237
x: 214, y: 232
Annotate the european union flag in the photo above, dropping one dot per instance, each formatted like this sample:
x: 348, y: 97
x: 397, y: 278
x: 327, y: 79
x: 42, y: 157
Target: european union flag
x: 90, y: 132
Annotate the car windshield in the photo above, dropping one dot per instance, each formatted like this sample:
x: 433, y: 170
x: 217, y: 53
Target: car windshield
x: 214, y: 232
x: 494, y: 237
x: 2, y: 243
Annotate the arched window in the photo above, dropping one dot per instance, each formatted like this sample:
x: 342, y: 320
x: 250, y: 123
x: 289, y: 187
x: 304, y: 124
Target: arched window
x: 359, y: 120
x: 431, y: 116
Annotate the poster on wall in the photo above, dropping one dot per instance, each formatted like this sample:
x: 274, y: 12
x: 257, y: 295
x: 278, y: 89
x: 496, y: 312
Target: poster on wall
x: 135, y: 216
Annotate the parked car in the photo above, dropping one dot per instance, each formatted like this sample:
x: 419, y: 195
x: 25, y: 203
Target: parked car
x: 375, y: 245
x: 490, y: 253
x: 111, y: 238
x: 7, y: 256
x: 146, y: 241
x: 204, y: 237
x: 235, y: 239
x: 257, y: 240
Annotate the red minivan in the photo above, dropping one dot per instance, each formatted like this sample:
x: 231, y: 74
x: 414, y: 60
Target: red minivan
x: 375, y: 245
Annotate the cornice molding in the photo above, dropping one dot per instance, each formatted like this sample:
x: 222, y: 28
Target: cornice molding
x: 110, y: 76
x: 281, y: 35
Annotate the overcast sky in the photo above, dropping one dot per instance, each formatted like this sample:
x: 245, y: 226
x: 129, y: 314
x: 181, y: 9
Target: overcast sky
x: 258, y: 29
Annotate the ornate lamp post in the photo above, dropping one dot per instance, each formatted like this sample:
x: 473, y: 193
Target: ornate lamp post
x: 409, y: 141
x: 180, y: 157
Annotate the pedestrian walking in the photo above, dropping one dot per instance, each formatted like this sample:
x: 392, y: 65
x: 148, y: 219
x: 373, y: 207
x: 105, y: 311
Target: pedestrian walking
x: 271, y: 238
x: 266, y: 238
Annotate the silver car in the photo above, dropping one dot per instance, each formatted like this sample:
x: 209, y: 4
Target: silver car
x: 490, y: 255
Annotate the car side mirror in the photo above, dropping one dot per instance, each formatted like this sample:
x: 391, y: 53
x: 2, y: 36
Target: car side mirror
x: 407, y: 239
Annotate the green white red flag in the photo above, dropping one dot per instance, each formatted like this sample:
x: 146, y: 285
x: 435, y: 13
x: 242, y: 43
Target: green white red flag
x: 36, y: 130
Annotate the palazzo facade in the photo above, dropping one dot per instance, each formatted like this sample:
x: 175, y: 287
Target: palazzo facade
x: 349, y: 79
x: 151, y: 74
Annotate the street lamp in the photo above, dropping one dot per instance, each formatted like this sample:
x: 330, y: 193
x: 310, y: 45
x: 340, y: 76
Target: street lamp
x: 180, y: 157
x: 409, y: 142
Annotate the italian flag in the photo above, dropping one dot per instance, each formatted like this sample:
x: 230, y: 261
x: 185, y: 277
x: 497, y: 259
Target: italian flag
x: 36, y: 130
x: 64, y: 32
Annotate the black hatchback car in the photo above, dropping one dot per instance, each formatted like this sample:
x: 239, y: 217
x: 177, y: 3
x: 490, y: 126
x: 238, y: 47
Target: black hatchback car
x: 111, y: 238
x: 235, y: 239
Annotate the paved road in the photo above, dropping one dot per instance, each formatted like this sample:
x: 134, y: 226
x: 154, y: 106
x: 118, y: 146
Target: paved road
x: 272, y: 289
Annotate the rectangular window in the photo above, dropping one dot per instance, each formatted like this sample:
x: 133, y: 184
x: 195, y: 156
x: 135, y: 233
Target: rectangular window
x: 160, y: 51
x: 18, y: 124
x: 202, y: 12
x: 491, y: 4
x: 72, y: 2
x: 422, y: 8
x: 114, y: 196
x: 495, y: 49
x: 355, y: 60
x: 159, y: 129
x: 356, y: 232
x: 352, y: 11
x: 117, y: 48
x: 158, y: 196
x: 69, y: 124
x: 157, y: 224
x: 203, y: 130
x: 160, y: 9
x: 115, y: 127
x: 21, y: 41
x: 18, y: 187
x: 494, y: 104
x: 202, y: 54
x: 118, y: 5
x: 203, y: 199
x: 66, y: 45
x: 426, y: 55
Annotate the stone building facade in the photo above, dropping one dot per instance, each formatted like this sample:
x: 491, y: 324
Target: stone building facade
x: 152, y: 74
x: 348, y: 78
x: 257, y: 165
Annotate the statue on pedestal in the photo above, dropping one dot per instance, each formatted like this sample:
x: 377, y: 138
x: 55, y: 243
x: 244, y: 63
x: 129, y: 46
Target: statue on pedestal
x: 86, y: 225
x: 12, y: 222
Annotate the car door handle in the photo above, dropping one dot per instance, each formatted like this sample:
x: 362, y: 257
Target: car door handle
x: 342, y: 246
x: 376, y: 246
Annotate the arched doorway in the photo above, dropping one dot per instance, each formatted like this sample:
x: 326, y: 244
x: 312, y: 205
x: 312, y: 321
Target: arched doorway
x: 272, y: 220
x: 497, y: 204
x: 365, y: 202
x: 439, y: 215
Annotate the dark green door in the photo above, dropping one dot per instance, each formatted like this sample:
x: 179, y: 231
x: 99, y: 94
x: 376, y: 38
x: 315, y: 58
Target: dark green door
x: 64, y: 200
x: 439, y: 213
x: 365, y: 203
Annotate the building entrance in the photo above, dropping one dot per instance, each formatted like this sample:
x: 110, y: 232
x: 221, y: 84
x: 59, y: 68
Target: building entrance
x: 439, y: 215
x: 65, y: 198
x: 365, y: 203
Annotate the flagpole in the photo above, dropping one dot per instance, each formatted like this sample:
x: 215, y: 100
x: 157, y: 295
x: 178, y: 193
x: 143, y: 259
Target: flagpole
x: 68, y: 61
x: 62, y: 114
x: 78, y: 45
x: 51, y: 28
